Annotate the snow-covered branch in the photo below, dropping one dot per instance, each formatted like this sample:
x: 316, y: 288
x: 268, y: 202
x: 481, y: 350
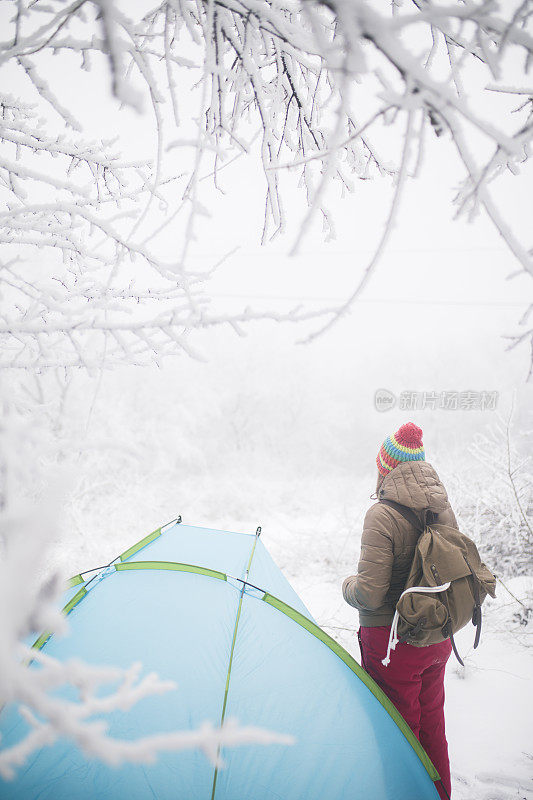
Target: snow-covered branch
x: 319, y: 79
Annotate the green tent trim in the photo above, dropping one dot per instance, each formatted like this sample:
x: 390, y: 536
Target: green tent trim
x: 139, y: 546
x: 44, y: 637
x: 171, y: 565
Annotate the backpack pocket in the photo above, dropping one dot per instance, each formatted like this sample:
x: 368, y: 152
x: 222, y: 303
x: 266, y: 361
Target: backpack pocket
x: 422, y: 616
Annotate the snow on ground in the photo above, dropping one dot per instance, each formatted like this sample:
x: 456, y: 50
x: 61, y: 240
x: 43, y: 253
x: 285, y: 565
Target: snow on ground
x: 489, y: 702
x: 246, y: 447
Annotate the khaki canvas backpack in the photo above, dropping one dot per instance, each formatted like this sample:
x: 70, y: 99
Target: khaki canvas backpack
x: 445, y: 588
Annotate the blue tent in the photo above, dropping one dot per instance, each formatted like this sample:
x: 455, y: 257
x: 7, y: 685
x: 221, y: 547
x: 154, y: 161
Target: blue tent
x: 212, y: 611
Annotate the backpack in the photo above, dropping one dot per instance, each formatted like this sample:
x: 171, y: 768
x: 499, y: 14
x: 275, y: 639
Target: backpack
x: 446, y: 585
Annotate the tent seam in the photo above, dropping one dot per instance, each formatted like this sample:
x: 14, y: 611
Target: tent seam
x: 230, y: 664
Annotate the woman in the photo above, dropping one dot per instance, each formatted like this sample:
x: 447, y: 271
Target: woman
x: 414, y: 678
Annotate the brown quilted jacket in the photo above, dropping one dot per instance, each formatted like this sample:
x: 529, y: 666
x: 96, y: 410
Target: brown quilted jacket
x: 388, y: 540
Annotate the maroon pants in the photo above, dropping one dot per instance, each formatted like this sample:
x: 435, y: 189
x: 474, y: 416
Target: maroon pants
x: 414, y: 682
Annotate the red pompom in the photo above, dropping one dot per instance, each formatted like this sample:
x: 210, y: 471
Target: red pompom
x: 410, y: 435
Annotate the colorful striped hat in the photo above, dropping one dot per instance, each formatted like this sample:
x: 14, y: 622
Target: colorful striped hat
x: 405, y: 445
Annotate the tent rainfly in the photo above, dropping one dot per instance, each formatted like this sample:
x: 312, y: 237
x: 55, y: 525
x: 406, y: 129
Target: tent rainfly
x: 211, y: 610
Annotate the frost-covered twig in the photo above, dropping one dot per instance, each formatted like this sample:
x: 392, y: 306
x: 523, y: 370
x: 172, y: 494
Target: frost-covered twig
x: 510, y: 592
x: 511, y: 473
x: 389, y: 224
x: 302, y: 73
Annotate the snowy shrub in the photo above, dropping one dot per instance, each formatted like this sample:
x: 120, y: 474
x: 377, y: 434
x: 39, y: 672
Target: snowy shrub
x: 495, y: 498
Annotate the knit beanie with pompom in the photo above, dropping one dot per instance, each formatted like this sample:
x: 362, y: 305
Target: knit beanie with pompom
x: 404, y: 445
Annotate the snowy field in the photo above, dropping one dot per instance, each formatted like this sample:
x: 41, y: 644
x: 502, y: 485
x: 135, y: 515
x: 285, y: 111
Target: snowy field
x: 489, y: 702
x: 489, y: 705
x: 230, y: 447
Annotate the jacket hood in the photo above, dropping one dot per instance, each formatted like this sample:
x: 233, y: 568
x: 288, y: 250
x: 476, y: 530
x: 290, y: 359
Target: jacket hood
x: 415, y: 484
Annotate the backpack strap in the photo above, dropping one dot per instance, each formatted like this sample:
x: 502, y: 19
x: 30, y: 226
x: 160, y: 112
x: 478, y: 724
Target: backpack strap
x: 447, y: 631
x: 407, y: 513
x: 476, y: 616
